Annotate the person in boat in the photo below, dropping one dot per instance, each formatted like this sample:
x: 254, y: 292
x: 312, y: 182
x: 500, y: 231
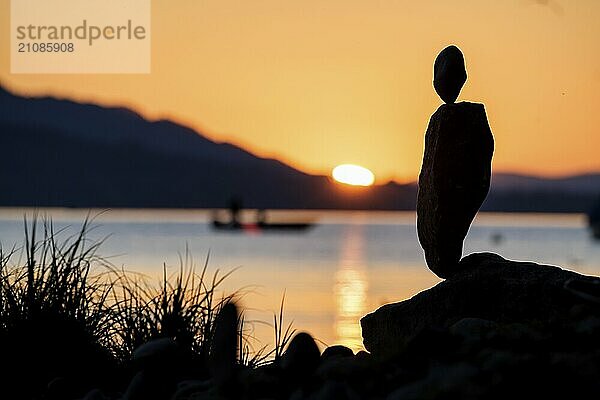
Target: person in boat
x: 235, y: 205
x: 261, y: 217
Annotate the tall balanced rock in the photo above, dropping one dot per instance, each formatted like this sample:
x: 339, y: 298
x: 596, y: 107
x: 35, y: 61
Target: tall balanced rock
x: 455, y: 175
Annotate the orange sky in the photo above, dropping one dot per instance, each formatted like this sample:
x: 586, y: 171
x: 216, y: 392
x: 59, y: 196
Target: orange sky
x: 319, y: 83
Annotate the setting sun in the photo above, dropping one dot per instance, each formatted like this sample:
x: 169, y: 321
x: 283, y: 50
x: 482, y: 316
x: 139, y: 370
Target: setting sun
x: 351, y: 174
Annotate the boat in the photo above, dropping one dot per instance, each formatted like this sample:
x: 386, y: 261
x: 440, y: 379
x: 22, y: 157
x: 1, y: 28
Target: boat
x: 233, y: 223
x: 261, y: 226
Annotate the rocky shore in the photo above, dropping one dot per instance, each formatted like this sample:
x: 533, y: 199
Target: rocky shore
x: 500, y: 329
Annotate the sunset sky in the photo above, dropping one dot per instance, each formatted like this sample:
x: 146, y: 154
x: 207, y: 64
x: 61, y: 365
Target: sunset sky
x: 320, y: 83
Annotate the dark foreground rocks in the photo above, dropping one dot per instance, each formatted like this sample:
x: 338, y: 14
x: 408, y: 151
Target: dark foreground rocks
x: 453, y: 183
x: 500, y: 329
x: 497, y: 330
x: 519, y: 330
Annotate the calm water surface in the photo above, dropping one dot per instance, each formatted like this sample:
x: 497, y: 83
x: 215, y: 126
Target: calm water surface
x: 349, y: 264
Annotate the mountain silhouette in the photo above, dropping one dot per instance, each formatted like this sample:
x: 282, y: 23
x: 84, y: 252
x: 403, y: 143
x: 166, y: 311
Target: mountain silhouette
x: 64, y: 153
x: 58, y: 152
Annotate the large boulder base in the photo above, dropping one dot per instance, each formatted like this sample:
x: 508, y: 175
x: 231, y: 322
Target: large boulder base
x: 453, y: 183
x: 490, y: 288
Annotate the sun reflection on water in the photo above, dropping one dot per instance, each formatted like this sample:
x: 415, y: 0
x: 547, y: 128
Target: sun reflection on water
x: 351, y: 289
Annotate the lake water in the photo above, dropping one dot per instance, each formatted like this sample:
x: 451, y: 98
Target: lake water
x: 349, y: 264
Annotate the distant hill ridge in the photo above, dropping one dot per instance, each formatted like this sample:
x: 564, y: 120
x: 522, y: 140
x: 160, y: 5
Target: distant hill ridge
x: 583, y: 183
x: 63, y: 153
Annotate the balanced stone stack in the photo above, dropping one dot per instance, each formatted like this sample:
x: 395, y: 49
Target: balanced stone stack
x: 456, y: 170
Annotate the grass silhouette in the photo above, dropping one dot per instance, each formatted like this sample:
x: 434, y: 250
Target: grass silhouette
x: 70, y: 318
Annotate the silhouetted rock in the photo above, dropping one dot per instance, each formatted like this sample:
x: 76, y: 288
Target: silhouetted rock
x: 95, y: 394
x: 449, y: 380
x: 334, y: 390
x: 301, y: 357
x: 157, y: 363
x: 453, y: 183
x: 223, y: 354
x: 264, y: 382
x: 449, y: 73
x: 186, y: 389
x: 155, y: 353
x: 472, y: 328
x: 61, y: 388
x: 144, y: 386
x: 337, y: 351
x: 589, y: 291
x: 490, y: 288
x: 344, y: 368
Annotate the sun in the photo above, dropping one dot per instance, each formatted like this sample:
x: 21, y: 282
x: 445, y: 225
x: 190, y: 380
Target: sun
x: 352, y: 174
